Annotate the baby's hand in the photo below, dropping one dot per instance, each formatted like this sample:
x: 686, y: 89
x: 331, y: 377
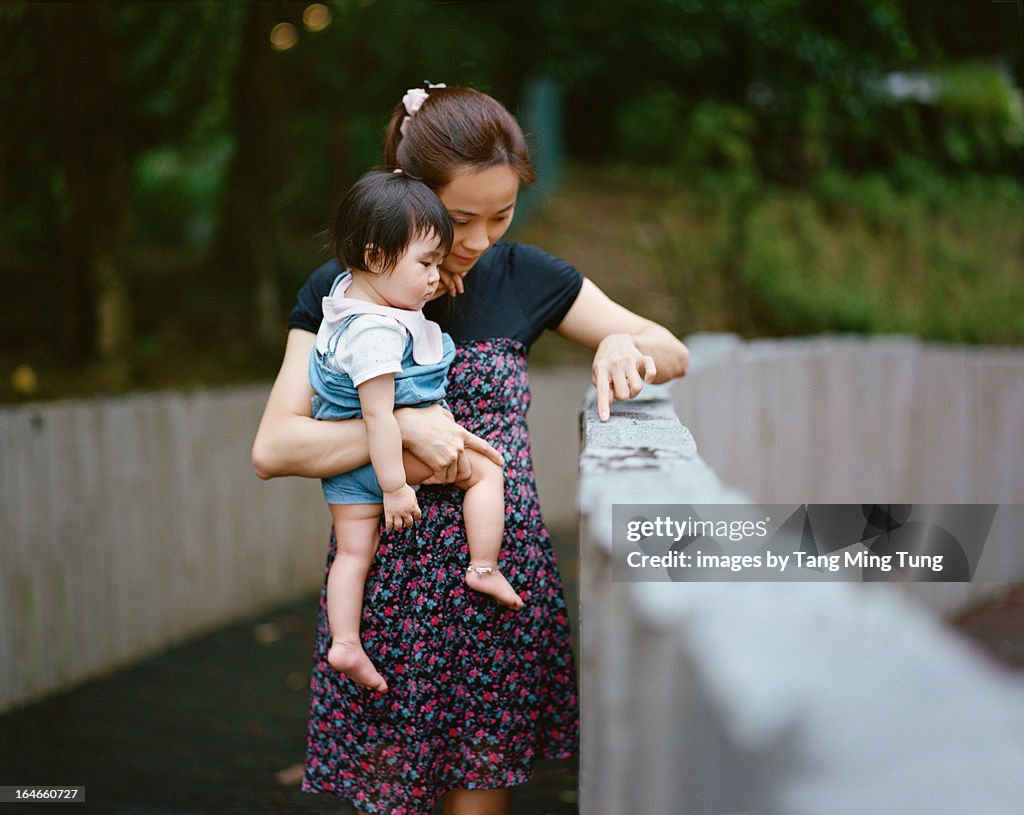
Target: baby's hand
x: 400, y: 508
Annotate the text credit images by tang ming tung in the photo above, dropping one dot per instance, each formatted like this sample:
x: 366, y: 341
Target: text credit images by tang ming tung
x: 815, y: 542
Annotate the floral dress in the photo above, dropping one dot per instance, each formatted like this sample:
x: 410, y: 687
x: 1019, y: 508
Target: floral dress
x: 477, y: 691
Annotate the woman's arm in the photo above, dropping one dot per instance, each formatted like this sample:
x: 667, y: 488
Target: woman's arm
x: 629, y: 349
x: 290, y: 442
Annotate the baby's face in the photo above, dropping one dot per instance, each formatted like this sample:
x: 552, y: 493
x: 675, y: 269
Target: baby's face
x: 413, y: 281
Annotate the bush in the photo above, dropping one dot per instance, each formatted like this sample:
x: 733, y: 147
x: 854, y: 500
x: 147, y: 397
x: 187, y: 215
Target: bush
x: 939, y: 259
x: 963, y: 118
x: 651, y: 127
x: 175, y: 192
x: 719, y: 136
x: 982, y: 116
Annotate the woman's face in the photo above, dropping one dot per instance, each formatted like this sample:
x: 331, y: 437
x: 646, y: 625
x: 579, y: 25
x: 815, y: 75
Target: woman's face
x: 481, y: 204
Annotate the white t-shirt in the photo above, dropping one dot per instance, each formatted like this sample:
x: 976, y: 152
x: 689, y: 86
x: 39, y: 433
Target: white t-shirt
x: 370, y: 346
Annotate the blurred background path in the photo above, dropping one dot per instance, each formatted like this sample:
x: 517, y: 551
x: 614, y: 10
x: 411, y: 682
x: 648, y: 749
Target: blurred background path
x: 214, y: 726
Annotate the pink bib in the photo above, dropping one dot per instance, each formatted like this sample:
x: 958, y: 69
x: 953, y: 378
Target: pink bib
x: 427, y: 348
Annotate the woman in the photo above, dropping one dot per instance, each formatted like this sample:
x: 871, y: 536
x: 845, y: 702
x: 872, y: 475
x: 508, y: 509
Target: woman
x: 477, y: 691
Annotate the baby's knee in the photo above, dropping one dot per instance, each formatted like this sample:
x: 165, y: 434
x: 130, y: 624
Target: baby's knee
x: 484, y: 469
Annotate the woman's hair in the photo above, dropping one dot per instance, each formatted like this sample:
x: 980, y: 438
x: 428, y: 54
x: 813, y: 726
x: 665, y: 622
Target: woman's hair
x: 380, y: 216
x: 455, y: 129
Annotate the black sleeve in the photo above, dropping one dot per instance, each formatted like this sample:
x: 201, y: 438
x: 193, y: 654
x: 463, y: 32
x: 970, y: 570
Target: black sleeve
x: 545, y: 285
x: 309, y: 310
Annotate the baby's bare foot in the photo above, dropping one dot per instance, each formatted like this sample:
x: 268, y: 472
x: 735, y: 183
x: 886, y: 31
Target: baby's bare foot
x: 488, y: 580
x: 350, y: 659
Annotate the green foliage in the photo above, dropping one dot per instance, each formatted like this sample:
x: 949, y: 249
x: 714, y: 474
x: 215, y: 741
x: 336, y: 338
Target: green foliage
x: 793, y: 85
x: 656, y: 128
x: 862, y: 255
x: 921, y: 254
x: 983, y: 116
x: 176, y: 192
x: 719, y: 137
x: 713, y: 102
x: 773, y: 81
x: 651, y: 126
x: 177, y: 61
x: 971, y: 119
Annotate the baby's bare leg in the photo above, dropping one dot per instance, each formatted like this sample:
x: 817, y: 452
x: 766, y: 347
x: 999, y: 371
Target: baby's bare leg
x: 356, y: 530
x: 484, y: 511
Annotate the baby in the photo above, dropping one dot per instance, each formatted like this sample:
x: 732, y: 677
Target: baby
x: 375, y: 350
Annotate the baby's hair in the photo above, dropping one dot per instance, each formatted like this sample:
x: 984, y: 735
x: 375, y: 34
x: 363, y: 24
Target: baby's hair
x: 381, y: 215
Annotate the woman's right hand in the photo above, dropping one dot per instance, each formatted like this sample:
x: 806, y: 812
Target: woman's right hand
x: 432, y: 435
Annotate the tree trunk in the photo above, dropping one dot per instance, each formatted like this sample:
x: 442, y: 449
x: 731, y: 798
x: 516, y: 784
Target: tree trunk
x: 95, y: 174
x: 247, y: 221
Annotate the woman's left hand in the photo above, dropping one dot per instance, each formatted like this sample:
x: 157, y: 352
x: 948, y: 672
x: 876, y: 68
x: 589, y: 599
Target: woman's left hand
x: 451, y: 283
x: 619, y: 371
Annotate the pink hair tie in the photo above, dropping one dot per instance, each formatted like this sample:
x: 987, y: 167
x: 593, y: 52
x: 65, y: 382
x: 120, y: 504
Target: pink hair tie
x: 413, y: 100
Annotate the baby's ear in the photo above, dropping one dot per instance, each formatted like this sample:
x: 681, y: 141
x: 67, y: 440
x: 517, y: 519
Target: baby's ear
x: 372, y: 257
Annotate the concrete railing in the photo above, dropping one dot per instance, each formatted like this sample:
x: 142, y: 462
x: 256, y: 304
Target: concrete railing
x: 781, y: 697
x: 850, y: 419
x: 129, y: 524
x: 844, y: 419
